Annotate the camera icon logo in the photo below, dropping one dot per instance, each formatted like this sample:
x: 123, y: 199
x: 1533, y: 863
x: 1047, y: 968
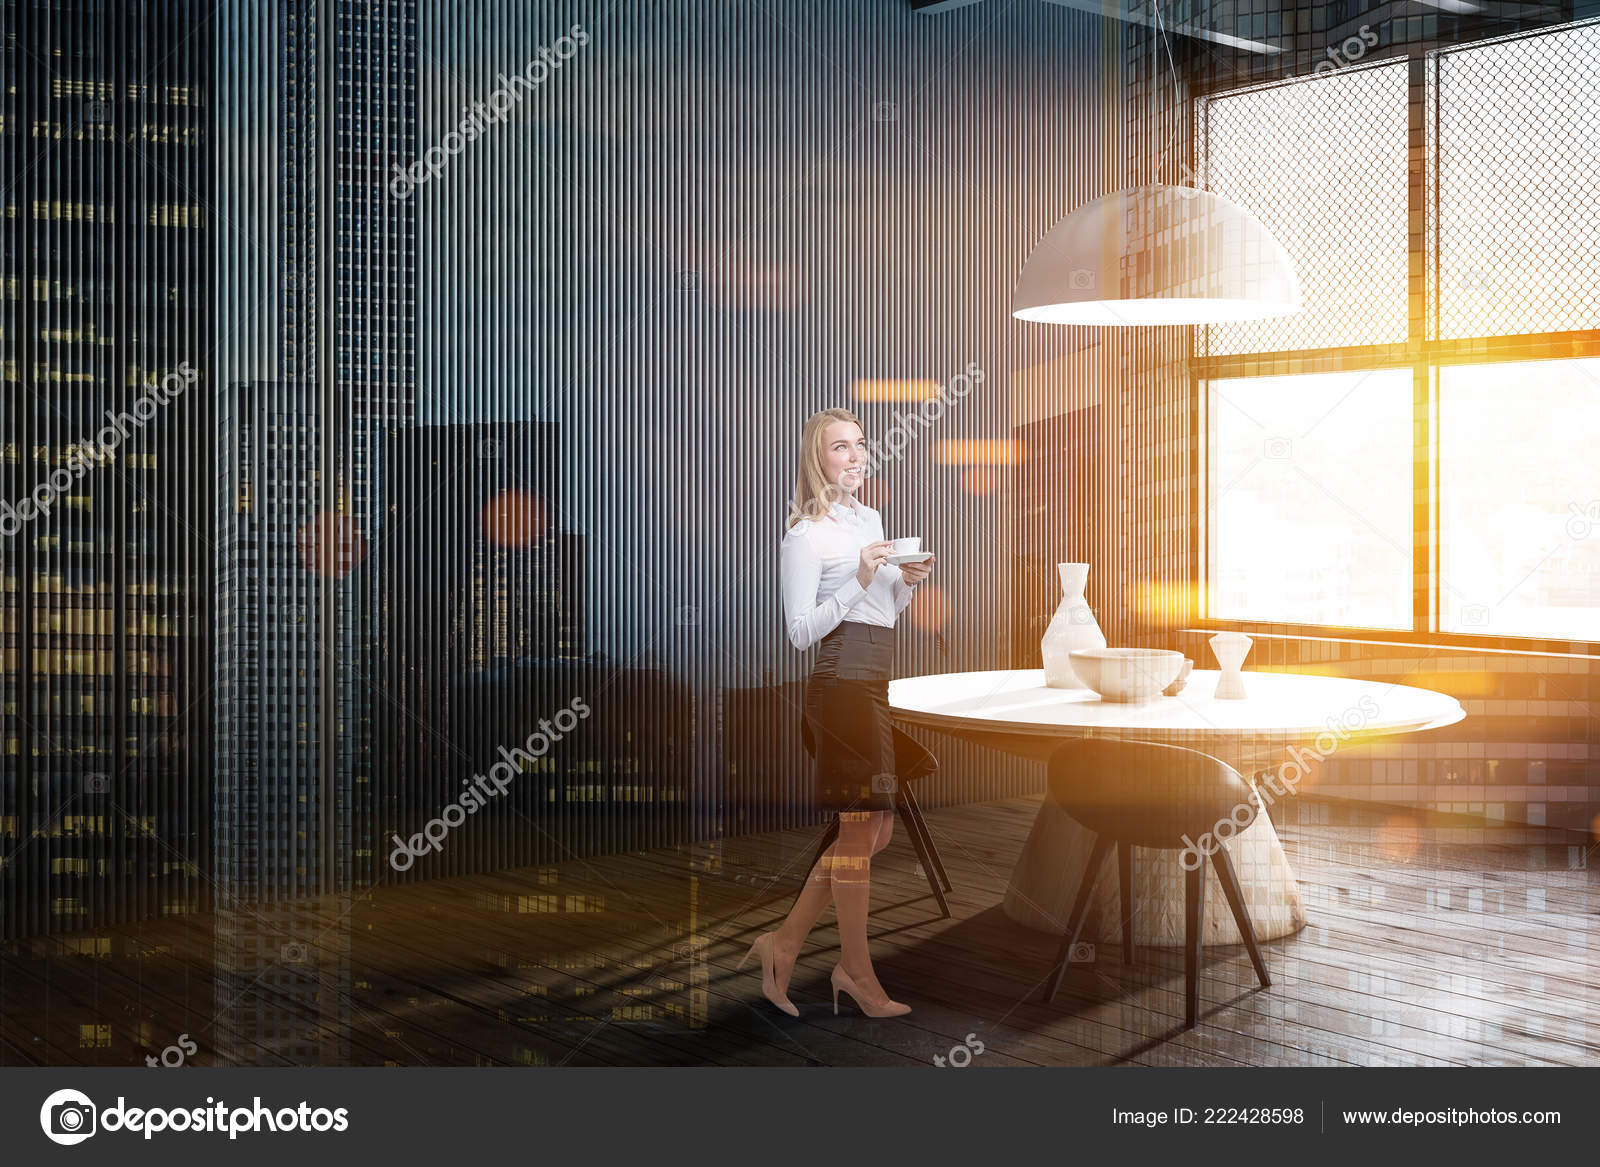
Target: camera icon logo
x: 1081, y: 278
x: 1081, y: 953
x: 885, y: 783
x: 67, y: 1117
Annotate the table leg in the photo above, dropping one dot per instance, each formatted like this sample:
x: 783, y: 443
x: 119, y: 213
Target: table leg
x: 1194, y: 927
x: 921, y: 844
x: 915, y: 821
x: 1125, y: 886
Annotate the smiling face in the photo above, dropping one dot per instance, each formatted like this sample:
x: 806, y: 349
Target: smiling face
x: 844, y: 456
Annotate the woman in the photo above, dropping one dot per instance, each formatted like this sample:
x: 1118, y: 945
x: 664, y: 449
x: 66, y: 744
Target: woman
x: 839, y: 591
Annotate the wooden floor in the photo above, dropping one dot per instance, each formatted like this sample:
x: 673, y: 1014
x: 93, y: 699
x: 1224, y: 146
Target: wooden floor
x: 1430, y: 943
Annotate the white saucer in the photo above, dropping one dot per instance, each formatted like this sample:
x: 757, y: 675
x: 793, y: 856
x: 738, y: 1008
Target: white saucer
x: 913, y: 557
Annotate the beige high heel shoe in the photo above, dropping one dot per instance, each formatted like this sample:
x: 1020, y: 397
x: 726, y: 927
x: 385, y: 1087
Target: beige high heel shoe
x: 769, y: 982
x: 842, y: 980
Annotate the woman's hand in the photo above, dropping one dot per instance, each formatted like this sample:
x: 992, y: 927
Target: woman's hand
x: 915, y: 573
x: 873, y: 556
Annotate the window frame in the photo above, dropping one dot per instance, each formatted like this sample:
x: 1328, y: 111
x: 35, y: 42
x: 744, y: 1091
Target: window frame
x: 1425, y: 358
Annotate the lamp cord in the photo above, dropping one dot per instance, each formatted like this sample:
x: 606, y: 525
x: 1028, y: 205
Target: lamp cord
x: 1177, y: 94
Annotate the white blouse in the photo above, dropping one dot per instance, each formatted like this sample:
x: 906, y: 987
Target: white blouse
x: 818, y: 564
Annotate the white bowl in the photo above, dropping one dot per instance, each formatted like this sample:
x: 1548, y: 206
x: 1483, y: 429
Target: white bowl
x: 1126, y: 674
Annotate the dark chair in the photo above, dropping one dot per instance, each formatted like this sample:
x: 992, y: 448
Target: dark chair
x: 1141, y: 794
x: 911, y: 762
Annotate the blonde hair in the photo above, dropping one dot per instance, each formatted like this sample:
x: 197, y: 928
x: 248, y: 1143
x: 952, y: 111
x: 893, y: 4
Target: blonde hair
x: 814, y: 495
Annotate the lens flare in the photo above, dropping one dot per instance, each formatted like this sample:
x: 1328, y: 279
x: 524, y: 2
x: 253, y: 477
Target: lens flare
x: 931, y: 610
x: 978, y: 452
x: 1165, y: 601
x: 1466, y: 683
x: 514, y: 518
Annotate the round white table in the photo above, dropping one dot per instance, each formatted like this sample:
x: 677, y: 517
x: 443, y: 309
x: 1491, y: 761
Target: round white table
x: 1285, y: 726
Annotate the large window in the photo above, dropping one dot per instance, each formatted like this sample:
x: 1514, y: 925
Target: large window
x: 1520, y: 511
x: 1412, y: 453
x: 1313, y: 522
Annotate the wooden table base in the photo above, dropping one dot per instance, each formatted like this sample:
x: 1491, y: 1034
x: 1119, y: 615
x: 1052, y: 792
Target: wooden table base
x: 1045, y: 880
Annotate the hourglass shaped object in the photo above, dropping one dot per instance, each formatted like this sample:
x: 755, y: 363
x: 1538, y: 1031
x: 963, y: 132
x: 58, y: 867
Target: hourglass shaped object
x: 1230, y: 649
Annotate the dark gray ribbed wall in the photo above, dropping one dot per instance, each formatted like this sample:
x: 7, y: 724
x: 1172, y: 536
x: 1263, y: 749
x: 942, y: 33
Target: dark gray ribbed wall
x: 710, y: 222
x: 706, y: 223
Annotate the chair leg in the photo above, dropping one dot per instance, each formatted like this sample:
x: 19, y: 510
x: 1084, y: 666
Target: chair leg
x: 1194, y: 911
x: 922, y: 853
x: 1241, y: 916
x: 1125, y: 878
x: 1080, y: 908
x: 915, y: 818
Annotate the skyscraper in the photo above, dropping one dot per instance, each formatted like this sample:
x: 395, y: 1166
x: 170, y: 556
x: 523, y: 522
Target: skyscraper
x: 316, y: 339
x: 104, y: 563
x: 315, y: 369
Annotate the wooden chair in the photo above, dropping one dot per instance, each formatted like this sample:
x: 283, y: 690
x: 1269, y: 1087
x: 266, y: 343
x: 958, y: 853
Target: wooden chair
x: 1142, y: 794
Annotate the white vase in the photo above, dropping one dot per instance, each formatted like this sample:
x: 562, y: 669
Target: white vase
x: 1071, y: 628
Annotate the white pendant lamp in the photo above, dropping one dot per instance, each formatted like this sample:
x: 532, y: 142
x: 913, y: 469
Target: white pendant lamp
x: 1157, y: 255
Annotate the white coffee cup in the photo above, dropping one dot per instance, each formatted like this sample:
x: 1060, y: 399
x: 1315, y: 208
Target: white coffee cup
x: 910, y: 545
